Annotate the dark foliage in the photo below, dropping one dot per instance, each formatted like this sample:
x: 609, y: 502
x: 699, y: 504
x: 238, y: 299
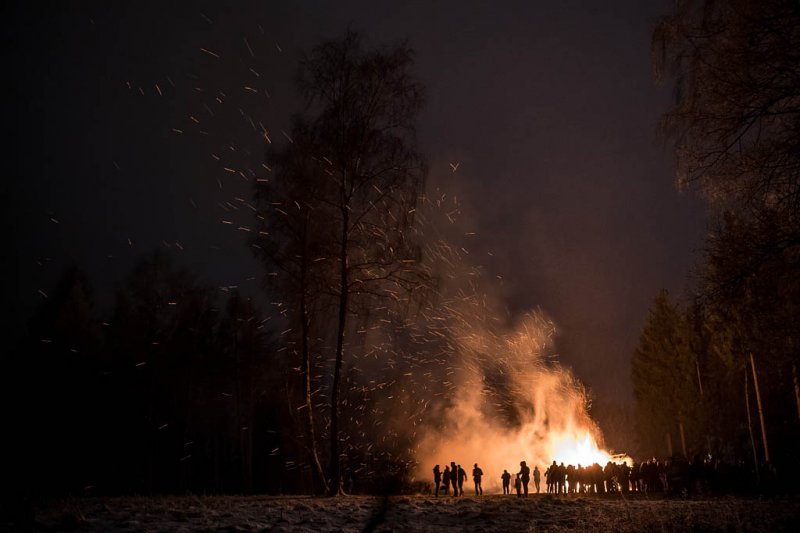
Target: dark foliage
x: 735, y: 127
x: 168, y: 394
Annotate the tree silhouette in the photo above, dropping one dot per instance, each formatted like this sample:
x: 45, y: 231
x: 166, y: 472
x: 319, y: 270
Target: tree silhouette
x: 736, y: 120
x: 56, y: 376
x: 665, y: 383
x: 293, y: 242
x: 356, y: 145
x: 735, y: 128
x: 161, y: 341
x: 735, y: 125
x: 243, y: 342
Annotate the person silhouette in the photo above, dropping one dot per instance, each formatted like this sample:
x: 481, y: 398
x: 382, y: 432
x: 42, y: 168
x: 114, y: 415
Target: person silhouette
x: 462, y: 476
x: 525, y: 476
x: 536, y: 478
x: 477, y: 473
x: 437, y: 479
x: 506, y: 477
x: 446, y: 477
x: 454, y: 477
x: 518, y: 486
x: 552, y: 479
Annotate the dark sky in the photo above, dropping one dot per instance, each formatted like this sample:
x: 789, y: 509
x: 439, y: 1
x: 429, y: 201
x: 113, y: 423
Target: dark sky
x: 549, y: 107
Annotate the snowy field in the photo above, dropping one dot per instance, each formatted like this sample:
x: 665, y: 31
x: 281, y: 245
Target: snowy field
x: 418, y: 514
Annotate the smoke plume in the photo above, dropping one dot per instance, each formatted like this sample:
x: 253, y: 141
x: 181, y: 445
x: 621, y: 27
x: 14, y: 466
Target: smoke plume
x: 504, y: 397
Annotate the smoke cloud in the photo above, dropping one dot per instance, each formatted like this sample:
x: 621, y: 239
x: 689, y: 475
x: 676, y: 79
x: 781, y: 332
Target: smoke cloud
x: 504, y: 397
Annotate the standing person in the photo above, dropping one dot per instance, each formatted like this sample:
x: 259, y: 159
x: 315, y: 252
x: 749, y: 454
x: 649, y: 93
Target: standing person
x: 454, y: 477
x: 562, y: 476
x: 462, y: 476
x: 552, y: 479
x: 506, y: 477
x: 446, y: 479
x: 536, y: 477
x: 476, y: 477
x: 525, y: 475
x: 570, y: 480
x: 437, y: 479
x: 518, y: 486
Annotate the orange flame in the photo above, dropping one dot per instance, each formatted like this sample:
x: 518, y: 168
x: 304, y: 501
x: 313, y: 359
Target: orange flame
x: 550, y: 419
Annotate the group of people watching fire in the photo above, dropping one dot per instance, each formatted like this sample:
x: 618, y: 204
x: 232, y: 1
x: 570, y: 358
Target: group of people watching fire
x: 675, y: 475
x: 455, y: 476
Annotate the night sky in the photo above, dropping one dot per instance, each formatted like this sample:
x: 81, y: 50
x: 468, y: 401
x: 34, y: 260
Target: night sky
x: 549, y: 108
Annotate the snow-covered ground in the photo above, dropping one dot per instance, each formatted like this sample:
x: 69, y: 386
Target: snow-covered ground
x: 417, y: 513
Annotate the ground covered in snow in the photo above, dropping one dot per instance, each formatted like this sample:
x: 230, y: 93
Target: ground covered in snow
x: 418, y: 514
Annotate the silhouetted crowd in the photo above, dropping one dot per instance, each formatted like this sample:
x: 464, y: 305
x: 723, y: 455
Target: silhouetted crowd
x: 454, y: 476
x: 672, y: 476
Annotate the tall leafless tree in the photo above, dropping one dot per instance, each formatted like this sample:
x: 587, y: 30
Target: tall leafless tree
x: 352, y: 178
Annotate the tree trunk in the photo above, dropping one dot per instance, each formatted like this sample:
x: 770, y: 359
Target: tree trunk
x: 334, y: 487
x: 750, y: 424
x: 242, y: 406
x: 683, y: 437
x: 306, y: 369
x: 760, y: 409
x: 796, y: 389
x: 699, y: 379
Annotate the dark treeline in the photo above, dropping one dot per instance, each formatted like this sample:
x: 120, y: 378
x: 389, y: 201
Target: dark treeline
x: 719, y: 374
x: 176, y: 390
